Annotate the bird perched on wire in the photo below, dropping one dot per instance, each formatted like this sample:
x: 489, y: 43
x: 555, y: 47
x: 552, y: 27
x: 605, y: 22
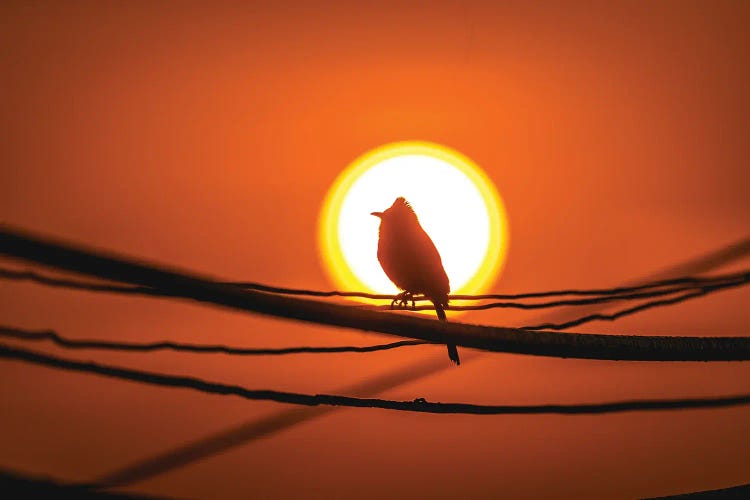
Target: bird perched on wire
x: 411, y: 261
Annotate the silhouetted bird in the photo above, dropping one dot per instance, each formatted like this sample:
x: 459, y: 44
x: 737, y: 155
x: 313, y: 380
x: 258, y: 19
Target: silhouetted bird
x: 409, y: 258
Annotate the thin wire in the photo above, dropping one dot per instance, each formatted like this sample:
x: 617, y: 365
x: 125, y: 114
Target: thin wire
x: 689, y: 280
x: 68, y: 343
x: 42, y: 279
x: 621, y: 313
x: 610, y: 295
x: 419, y: 405
x: 742, y: 279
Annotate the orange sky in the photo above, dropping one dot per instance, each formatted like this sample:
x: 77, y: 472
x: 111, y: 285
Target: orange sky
x: 205, y: 136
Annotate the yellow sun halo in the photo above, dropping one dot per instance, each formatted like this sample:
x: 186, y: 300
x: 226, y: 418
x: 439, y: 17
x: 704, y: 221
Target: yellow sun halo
x: 455, y: 201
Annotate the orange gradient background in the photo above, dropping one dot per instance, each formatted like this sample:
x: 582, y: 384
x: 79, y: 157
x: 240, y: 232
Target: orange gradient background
x: 205, y: 136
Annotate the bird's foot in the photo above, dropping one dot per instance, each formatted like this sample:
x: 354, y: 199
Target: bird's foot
x: 402, y: 301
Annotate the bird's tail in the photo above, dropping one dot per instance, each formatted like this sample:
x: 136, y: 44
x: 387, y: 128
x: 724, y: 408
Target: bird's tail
x: 453, y: 354
x: 440, y: 311
x: 452, y: 351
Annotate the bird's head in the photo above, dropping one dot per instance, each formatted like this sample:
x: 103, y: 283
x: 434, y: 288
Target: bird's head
x: 400, y: 211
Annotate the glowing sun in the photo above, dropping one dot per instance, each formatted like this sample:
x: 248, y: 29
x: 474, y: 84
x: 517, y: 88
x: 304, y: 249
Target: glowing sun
x: 455, y: 201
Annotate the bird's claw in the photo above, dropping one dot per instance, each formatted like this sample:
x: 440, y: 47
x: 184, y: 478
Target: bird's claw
x: 402, y: 301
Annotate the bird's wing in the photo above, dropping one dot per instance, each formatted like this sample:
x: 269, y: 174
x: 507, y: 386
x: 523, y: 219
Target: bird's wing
x: 414, y: 265
x: 434, y: 278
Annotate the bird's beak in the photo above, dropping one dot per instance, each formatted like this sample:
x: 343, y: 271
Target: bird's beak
x: 377, y: 214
